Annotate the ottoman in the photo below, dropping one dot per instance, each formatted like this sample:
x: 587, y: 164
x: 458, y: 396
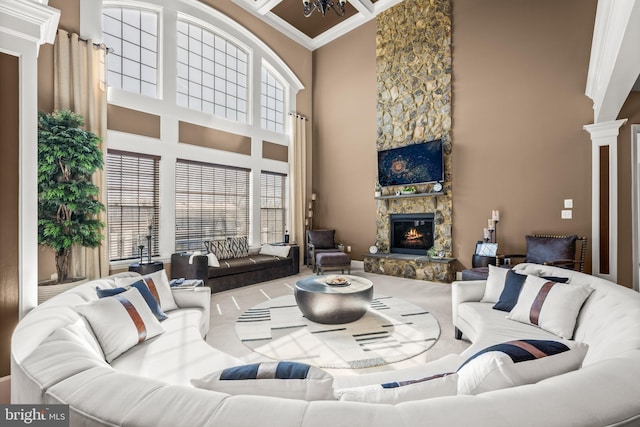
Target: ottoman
x: 333, y: 261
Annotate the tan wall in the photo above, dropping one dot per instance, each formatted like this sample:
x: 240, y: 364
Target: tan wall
x: 9, y: 219
x: 213, y: 138
x: 519, y: 73
x: 519, y: 106
x: 131, y: 121
x: 344, y: 132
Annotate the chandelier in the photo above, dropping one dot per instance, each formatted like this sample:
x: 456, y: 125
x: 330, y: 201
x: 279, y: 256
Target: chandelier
x: 322, y: 6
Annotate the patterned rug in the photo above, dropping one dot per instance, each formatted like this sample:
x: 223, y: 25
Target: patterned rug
x: 392, y: 330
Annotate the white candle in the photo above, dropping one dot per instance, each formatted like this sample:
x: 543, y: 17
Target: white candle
x: 310, y: 214
x: 485, y: 233
x: 310, y: 205
x: 491, y: 224
x: 313, y: 196
x: 495, y: 215
x: 306, y: 221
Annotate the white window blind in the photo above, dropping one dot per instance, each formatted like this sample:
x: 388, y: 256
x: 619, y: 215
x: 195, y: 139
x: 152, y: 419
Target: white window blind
x: 212, y: 202
x: 132, y: 201
x: 273, y: 203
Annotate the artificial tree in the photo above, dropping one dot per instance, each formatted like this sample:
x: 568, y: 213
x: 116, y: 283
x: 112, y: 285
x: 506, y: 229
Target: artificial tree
x: 68, y: 156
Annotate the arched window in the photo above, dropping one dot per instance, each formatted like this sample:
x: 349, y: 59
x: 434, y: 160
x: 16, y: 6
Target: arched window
x: 212, y: 73
x: 208, y: 98
x: 132, y: 37
x: 272, y: 102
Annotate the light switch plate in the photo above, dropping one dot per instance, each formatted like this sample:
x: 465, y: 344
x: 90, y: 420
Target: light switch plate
x: 566, y: 214
x: 568, y: 203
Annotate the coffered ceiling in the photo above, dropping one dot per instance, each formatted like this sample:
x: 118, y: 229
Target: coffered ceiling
x: 315, y: 31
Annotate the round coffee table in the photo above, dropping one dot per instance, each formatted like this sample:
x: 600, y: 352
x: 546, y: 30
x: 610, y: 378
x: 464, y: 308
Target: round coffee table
x: 322, y: 302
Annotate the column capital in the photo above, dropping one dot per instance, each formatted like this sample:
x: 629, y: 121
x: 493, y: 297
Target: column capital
x: 605, y: 129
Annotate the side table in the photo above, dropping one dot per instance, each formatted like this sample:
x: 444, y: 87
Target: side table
x: 146, y: 267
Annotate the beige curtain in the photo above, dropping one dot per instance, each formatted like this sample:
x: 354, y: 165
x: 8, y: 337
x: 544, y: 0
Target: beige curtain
x: 79, y: 85
x: 298, y: 180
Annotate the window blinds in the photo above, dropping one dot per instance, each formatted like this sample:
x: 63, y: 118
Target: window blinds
x: 212, y: 202
x: 132, y: 200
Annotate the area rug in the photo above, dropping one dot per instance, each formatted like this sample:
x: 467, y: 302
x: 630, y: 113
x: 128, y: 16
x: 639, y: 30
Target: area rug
x: 392, y: 330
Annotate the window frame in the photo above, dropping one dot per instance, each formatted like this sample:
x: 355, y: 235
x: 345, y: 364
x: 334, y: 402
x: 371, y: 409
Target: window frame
x: 216, y: 191
x: 141, y: 7
x: 283, y: 207
x: 239, y: 47
x: 266, y: 67
x: 169, y: 115
x: 142, y: 222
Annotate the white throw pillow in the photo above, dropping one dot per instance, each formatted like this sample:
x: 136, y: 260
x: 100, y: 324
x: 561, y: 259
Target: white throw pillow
x: 404, y: 391
x: 194, y: 254
x: 291, y: 380
x: 120, y: 322
x: 212, y: 260
x: 158, y: 284
x: 549, y: 305
x: 495, y: 284
x: 281, y: 251
x: 516, y: 363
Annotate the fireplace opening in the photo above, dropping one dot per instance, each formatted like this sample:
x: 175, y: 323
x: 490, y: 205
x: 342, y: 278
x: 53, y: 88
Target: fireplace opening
x: 411, y: 233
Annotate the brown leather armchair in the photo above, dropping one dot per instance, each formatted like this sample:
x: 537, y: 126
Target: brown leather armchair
x: 559, y: 251
x: 546, y: 249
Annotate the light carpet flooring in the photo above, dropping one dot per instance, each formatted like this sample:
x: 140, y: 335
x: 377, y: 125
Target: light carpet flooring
x: 227, y: 306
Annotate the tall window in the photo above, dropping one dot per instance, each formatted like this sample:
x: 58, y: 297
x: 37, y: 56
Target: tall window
x: 212, y: 73
x: 132, y: 203
x: 212, y: 202
x: 132, y: 38
x: 272, y: 102
x: 273, y: 207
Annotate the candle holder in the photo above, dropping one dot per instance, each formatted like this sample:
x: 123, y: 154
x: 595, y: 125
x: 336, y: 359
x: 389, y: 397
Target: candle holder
x: 140, y: 248
x: 150, y: 227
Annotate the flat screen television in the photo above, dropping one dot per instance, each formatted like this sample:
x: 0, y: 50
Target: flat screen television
x: 412, y: 164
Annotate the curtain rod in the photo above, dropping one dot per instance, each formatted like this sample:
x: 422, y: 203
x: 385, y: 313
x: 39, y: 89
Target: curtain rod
x: 299, y: 116
x: 107, y: 49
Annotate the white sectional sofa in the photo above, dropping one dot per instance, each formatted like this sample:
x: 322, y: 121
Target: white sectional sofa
x: 57, y: 359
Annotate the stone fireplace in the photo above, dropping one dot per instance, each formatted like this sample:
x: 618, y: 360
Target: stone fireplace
x: 411, y: 233
x: 414, y: 105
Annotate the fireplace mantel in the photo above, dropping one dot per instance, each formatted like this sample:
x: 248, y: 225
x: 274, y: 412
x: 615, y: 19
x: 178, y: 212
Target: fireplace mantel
x: 406, y: 196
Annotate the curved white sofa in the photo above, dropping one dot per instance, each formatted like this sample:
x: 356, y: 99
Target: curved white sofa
x: 56, y: 359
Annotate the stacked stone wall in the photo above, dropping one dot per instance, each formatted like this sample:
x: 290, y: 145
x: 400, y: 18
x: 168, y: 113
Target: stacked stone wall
x: 413, y: 59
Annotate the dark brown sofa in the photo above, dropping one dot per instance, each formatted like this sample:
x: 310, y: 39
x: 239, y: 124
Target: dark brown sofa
x: 236, y: 272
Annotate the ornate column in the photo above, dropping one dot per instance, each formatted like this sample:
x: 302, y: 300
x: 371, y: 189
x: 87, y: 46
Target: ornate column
x: 604, y: 198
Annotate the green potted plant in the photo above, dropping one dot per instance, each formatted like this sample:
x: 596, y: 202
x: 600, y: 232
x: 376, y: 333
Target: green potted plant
x: 68, y: 207
x: 377, y: 189
x: 409, y: 189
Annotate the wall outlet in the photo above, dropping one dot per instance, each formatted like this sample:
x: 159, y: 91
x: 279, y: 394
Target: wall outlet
x: 568, y: 203
x: 566, y: 214
x: 348, y: 248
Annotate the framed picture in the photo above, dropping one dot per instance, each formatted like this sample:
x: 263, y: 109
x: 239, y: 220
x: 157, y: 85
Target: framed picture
x: 486, y: 249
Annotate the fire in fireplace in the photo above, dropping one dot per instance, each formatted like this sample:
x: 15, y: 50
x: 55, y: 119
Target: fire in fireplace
x: 411, y: 233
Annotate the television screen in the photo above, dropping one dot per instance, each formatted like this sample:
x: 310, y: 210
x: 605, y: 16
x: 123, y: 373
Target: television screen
x: 412, y: 164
